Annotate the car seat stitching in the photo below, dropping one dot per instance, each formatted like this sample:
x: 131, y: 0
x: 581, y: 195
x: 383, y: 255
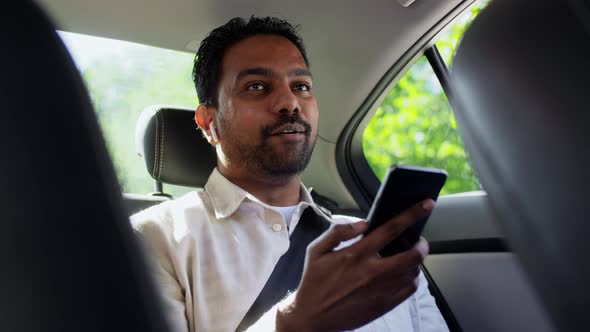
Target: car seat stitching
x: 155, y: 167
x: 161, y: 150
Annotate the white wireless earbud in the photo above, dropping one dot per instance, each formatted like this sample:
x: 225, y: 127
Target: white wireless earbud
x: 213, y: 132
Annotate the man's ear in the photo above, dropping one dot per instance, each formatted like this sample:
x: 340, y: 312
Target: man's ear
x: 204, y: 116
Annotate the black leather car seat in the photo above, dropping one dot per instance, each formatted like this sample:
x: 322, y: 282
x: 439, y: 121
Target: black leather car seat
x: 173, y: 148
x: 174, y: 152
x: 521, y: 76
x: 69, y: 259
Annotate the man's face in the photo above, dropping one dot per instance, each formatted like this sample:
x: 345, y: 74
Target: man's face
x: 268, y: 113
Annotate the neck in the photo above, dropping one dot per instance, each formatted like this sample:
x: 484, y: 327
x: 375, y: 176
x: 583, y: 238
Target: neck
x: 271, y: 190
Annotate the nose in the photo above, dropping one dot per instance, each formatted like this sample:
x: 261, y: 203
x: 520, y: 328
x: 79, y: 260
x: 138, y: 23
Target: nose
x: 286, y: 101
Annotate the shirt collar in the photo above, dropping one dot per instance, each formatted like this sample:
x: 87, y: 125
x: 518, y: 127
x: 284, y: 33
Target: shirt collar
x: 226, y: 197
x: 307, y: 200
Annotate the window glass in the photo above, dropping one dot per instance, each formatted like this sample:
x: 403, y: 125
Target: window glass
x: 415, y: 124
x: 450, y: 38
x: 123, y: 79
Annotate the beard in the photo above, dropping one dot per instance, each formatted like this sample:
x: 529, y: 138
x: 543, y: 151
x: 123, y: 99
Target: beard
x: 267, y: 159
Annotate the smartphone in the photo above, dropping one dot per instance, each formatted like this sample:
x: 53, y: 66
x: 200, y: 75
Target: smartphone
x: 403, y: 187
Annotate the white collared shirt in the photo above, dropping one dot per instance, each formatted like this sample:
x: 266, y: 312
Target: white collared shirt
x: 214, y: 250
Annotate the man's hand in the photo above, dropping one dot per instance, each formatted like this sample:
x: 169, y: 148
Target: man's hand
x: 346, y: 289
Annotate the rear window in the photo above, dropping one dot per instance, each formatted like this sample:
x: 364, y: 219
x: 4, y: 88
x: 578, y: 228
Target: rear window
x: 124, y: 78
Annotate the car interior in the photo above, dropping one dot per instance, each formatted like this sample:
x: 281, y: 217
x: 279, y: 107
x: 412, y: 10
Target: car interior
x: 507, y: 257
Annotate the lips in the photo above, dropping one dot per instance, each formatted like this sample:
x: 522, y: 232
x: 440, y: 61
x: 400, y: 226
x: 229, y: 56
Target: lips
x: 291, y: 128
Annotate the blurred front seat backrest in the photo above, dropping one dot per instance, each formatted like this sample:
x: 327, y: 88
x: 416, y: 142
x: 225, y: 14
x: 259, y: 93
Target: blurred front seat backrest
x: 69, y: 259
x: 522, y: 79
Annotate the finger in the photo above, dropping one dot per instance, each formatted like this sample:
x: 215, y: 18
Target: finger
x: 404, y: 292
x: 390, y: 292
x: 391, y: 229
x: 332, y: 238
x: 423, y: 247
x: 407, y: 261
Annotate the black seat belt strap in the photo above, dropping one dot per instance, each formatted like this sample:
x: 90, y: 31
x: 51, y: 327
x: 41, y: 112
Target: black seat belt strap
x: 287, y: 273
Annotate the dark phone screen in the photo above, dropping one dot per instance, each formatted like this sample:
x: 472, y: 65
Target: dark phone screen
x: 403, y: 187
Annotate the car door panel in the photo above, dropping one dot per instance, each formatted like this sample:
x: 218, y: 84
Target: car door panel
x: 478, y: 276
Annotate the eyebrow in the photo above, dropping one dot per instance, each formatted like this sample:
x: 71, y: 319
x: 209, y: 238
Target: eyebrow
x: 299, y: 72
x: 266, y: 72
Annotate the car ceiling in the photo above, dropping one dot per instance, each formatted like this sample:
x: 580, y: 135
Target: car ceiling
x: 351, y: 44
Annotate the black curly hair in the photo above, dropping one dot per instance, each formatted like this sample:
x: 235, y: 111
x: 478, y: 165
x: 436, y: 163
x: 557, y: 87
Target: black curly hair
x: 209, y: 57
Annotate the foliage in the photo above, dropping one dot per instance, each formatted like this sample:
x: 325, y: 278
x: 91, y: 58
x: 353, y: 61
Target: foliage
x: 449, y: 40
x: 121, y: 87
x: 415, y: 124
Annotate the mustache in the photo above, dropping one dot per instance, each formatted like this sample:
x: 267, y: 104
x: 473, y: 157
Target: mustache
x: 287, y: 119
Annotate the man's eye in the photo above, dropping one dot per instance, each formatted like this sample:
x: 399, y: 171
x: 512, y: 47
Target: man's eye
x: 255, y: 87
x: 303, y: 87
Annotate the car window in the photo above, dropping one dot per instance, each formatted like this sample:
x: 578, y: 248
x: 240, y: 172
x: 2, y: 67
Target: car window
x: 448, y: 41
x: 415, y: 125
x: 124, y: 78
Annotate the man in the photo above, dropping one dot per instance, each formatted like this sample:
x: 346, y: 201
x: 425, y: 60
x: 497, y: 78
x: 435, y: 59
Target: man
x: 224, y: 255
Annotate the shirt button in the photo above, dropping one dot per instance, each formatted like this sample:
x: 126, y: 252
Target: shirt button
x: 277, y: 227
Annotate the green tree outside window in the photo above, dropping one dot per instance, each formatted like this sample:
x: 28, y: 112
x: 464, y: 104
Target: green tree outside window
x: 415, y: 124
x: 123, y: 79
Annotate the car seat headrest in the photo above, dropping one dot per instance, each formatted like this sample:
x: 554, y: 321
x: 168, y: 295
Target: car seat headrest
x: 172, y: 146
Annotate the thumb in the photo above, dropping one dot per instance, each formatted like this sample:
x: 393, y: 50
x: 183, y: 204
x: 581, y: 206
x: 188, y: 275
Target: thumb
x: 332, y: 237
